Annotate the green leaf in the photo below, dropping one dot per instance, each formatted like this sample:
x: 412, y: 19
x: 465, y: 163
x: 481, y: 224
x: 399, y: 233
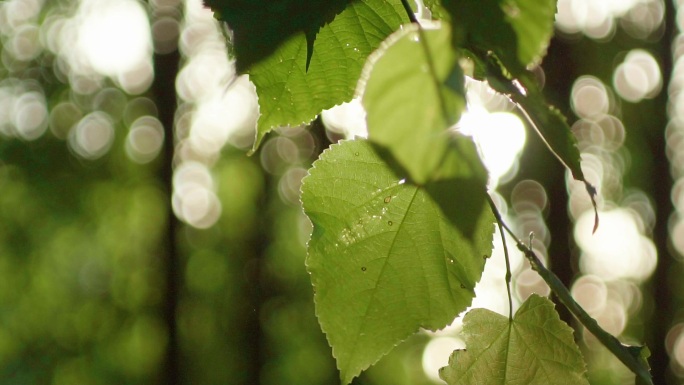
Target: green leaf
x: 387, y: 257
x: 260, y: 27
x: 554, y: 130
x: 289, y: 95
x: 532, y: 21
x: 414, y: 92
x: 516, y: 31
x: 535, y: 348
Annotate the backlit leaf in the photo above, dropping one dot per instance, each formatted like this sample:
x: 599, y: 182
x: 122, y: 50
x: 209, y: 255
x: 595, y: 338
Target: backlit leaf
x: 388, y: 257
x: 289, y: 95
x: 535, y: 348
x: 414, y: 93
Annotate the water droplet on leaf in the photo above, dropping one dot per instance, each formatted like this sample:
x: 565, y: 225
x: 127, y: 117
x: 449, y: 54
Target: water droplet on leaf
x: 363, y: 268
x: 389, y: 223
x: 463, y: 286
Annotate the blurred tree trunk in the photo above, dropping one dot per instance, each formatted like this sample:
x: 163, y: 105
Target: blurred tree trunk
x: 164, y: 89
x: 661, y: 315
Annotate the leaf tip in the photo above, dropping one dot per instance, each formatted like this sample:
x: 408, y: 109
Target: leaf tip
x: 258, y: 138
x: 592, y: 195
x: 346, y: 378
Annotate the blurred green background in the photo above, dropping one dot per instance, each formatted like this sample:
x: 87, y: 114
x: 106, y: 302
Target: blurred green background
x: 140, y: 245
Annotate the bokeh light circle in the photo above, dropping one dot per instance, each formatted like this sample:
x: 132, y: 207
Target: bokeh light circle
x: 145, y: 139
x: 589, y: 97
x: 618, y: 249
x: 93, y: 136
x: 638, y: 76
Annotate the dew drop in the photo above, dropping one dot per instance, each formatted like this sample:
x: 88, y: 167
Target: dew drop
x: 485, y: 256
x: 363, y: 268
x: 356, y: 154
x: 388, y: 199
x: 389, y: 223
x: 451, y: 261
x: 463, y: 286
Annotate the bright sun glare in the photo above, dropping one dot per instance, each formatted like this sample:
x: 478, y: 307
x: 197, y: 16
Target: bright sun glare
x: 500, y: 137
x: 114, y: 35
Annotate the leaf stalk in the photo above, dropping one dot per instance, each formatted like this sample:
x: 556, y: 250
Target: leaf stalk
x: 409, y: 12
x: 500, y: 223
x: 628, y: 355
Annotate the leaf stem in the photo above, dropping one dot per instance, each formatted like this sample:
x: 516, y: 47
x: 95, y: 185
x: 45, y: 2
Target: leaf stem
x: 409, y: 12
x: 629, y: 355
x: 501, y: 224
x: 518, y: 95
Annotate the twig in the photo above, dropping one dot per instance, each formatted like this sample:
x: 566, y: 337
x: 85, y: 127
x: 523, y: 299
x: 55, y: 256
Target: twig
x: 501, y: 224
x: 409, y: 12
x: 627, y: 354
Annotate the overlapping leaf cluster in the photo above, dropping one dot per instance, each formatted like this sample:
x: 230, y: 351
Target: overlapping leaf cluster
x: 305, y: 56
x: 401, y: 224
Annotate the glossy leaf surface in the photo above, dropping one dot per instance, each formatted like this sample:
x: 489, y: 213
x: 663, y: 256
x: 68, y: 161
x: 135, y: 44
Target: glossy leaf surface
x: 387, y: 257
